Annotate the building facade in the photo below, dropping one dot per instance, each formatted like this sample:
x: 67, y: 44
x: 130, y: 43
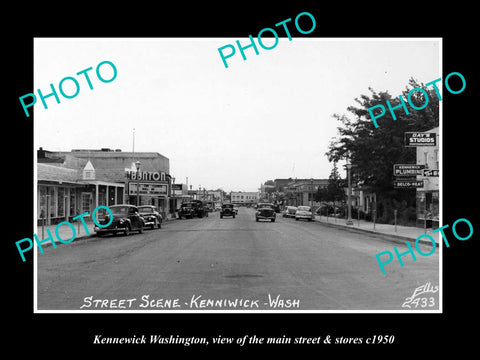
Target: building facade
x: 244, y: 197
x: 428, y: 196
x: 78, y: 181
x: 299, y: 192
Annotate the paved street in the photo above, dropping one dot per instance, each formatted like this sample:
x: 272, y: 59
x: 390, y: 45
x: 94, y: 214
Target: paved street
x: 188, y: 262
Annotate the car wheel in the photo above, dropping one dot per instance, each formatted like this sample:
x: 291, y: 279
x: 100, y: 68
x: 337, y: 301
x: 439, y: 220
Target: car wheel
x: 256, y: 219
x: 234, y: 216
x: 273, y: 220
x: 126, y: 232
x: 140, y: 231
x: 221, y: 216
x: 160, y: 224
x: 154, y: 224
x: 296, y: 219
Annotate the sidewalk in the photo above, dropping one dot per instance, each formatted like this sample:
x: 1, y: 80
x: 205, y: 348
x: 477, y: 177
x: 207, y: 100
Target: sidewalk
x: 401, y: 233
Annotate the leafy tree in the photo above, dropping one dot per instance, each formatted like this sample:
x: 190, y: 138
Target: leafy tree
x: 334, y: 190
x: 373, y: 151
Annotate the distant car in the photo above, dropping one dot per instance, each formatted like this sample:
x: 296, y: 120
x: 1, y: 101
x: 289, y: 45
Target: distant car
x: 218, y: 207
x: 236, y: 210
x: 289, y: 211
x: 304, y: 212
x: 126, y: 218
x: 265, y: 211
x: 151, y: 216
x: 186, y: 210
x: 227, y: 210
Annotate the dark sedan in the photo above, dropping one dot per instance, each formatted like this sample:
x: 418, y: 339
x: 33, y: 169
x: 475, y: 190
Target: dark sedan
x: 126, y: 218
x: 265, y: 211
x: 151, y: 216
x: 227, y: 210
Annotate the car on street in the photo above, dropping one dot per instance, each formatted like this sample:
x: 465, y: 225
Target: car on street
x: 265, y: 211
x: 151, y: 216
x: 289, y: 211
x: 186, y: 210
x: 126, y: 218
x: 236, y: 210
x: 227, y: 210
x: 304, y: 212
x: 218, y: 207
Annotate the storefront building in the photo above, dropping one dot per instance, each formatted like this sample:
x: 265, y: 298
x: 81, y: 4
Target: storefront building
x: 428, y: 196
x: 75, y: 182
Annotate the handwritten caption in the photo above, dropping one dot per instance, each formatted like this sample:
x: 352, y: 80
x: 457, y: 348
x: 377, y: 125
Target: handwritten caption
x: 195, y: 302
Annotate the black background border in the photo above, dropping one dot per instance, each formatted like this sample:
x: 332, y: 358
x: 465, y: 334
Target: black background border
x: 54, y: 332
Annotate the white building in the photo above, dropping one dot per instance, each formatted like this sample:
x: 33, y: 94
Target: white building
x: 244, y: 197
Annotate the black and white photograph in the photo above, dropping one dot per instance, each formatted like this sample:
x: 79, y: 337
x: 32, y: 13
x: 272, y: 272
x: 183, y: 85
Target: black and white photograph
x: 236, y: 189
x: 282, y: 179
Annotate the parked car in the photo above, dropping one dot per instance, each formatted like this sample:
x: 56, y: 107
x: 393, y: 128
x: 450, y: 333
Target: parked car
x: 126, y: 218
x: 304, y: 212
x: 236, y: 210
x: 289, y: 211
x: 265, y: 211
x: 201, y: 209
x: 151, y: 216
x: 218, y: 207
x: 186, y: 210
x: 227, y: 210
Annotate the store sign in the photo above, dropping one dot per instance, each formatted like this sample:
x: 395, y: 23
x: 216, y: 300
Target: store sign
x: 145, y: 175
x: 408, y: 169
x: 177, y: 189
x: 148, y: 189
x: 420, y: 139
x: 407, y: 184
x: 431, y: 172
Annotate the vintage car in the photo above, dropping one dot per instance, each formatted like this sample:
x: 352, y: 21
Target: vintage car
x: 236, y: 210
x: 227, y: 210
x: 126, y: 218
x: 151, y: 216
x: 186, y: 210
x: 191, y: 209
x: 289, y: 211
x: 304, y: 212
x: 265, y: 211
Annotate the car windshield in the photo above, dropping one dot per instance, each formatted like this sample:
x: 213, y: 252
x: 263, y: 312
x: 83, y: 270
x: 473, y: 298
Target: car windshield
x: 187, y: 205
x: 227, y: 206
x: 304, y: 208
x: 265, y: 206
x: 119, y: 210
x: 146, y: 209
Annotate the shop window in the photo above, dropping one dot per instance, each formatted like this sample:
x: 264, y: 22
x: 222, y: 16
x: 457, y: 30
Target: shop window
x: 61, y: 201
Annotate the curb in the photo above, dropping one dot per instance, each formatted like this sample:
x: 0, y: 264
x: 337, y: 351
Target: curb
x: 393, y: 237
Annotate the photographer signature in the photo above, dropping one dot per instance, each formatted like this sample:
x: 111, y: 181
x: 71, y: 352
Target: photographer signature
x: 416, y: 301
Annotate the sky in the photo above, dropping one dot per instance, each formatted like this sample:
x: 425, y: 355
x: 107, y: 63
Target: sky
x: 263, y: 118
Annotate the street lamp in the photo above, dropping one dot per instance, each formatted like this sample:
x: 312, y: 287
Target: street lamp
x: 137, y: 165
x: 348, y: 165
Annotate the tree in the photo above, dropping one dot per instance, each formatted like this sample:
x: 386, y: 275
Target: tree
x: 333, y: 192
x: 373, y: 151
